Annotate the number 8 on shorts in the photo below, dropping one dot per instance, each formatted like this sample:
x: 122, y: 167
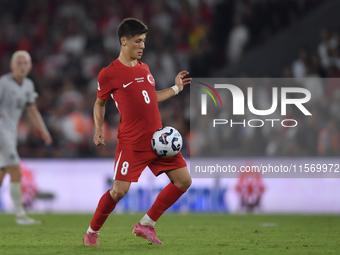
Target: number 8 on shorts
x: 125, y: 167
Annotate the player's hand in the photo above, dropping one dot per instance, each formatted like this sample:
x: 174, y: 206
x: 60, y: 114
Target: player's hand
x: 47, y: 138
x: 98, y: 138
x: 180, y: 81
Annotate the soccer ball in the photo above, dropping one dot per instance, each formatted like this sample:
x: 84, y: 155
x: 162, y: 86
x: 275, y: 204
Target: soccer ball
x: 166, y: 141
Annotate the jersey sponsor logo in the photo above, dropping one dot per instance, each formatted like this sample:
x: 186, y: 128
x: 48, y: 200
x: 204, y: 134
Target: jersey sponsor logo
x: 151, y: 79
x: 98, y: 86
x: 125, y: 85
x: 140, y: 79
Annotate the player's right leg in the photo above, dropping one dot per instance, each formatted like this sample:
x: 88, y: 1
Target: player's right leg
x: 106, y: 205
x: 128, y: 167
x: 16, y: 195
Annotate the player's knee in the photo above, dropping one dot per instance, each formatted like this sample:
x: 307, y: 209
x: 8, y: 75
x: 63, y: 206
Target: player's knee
x: 185, y: 184
x: 117, y: 194
x: 17, y: 177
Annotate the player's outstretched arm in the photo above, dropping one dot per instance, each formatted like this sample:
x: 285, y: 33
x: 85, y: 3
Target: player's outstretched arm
x: 98, y: 116
x: 35, y: 117
x: 180, y: 82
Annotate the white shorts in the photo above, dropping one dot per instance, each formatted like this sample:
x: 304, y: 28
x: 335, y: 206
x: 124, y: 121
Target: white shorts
x: 8, y: 151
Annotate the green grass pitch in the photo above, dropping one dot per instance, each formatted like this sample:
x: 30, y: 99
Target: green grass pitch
x: 181, y: 234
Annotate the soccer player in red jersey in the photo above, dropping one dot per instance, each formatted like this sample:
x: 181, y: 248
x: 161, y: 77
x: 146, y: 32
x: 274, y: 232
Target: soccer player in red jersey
x: 130, y: 84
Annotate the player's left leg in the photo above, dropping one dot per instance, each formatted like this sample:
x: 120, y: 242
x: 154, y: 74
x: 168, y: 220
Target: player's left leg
x: 180, y: 182
x: 16, y: 195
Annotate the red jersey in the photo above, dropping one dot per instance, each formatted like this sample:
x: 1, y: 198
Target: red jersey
x: 133, y: 90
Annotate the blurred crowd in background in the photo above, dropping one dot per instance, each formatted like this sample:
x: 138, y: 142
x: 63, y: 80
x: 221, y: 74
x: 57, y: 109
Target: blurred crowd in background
x: 71, y: 40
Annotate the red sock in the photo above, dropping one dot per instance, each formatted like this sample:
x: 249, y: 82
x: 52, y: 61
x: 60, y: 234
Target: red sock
x: 166, y: 198
x: 105, y: 207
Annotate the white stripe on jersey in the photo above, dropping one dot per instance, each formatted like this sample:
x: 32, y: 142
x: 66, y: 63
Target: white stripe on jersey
x: 117, y: 163
x: 116, y: 103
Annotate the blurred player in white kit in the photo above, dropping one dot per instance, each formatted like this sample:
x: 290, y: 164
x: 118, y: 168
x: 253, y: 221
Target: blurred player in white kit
x: 16, y: 94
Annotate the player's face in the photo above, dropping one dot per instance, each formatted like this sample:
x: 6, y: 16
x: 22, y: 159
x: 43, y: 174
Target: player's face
x: 21, y: 66
x: 136, y: 45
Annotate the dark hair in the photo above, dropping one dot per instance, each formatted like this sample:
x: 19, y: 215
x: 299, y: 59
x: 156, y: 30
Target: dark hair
x: 131, y: 27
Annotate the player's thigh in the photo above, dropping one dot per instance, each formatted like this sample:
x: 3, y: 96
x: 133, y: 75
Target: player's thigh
x: 15, y: 172
x: 129, y: 164
x: 8, y: 152
x: 180, y: 177
x: 162, y: 164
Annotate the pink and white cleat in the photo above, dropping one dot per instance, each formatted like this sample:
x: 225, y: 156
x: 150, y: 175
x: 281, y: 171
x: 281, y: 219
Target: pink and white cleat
x: 90, y: 239
x: 147, y: 232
